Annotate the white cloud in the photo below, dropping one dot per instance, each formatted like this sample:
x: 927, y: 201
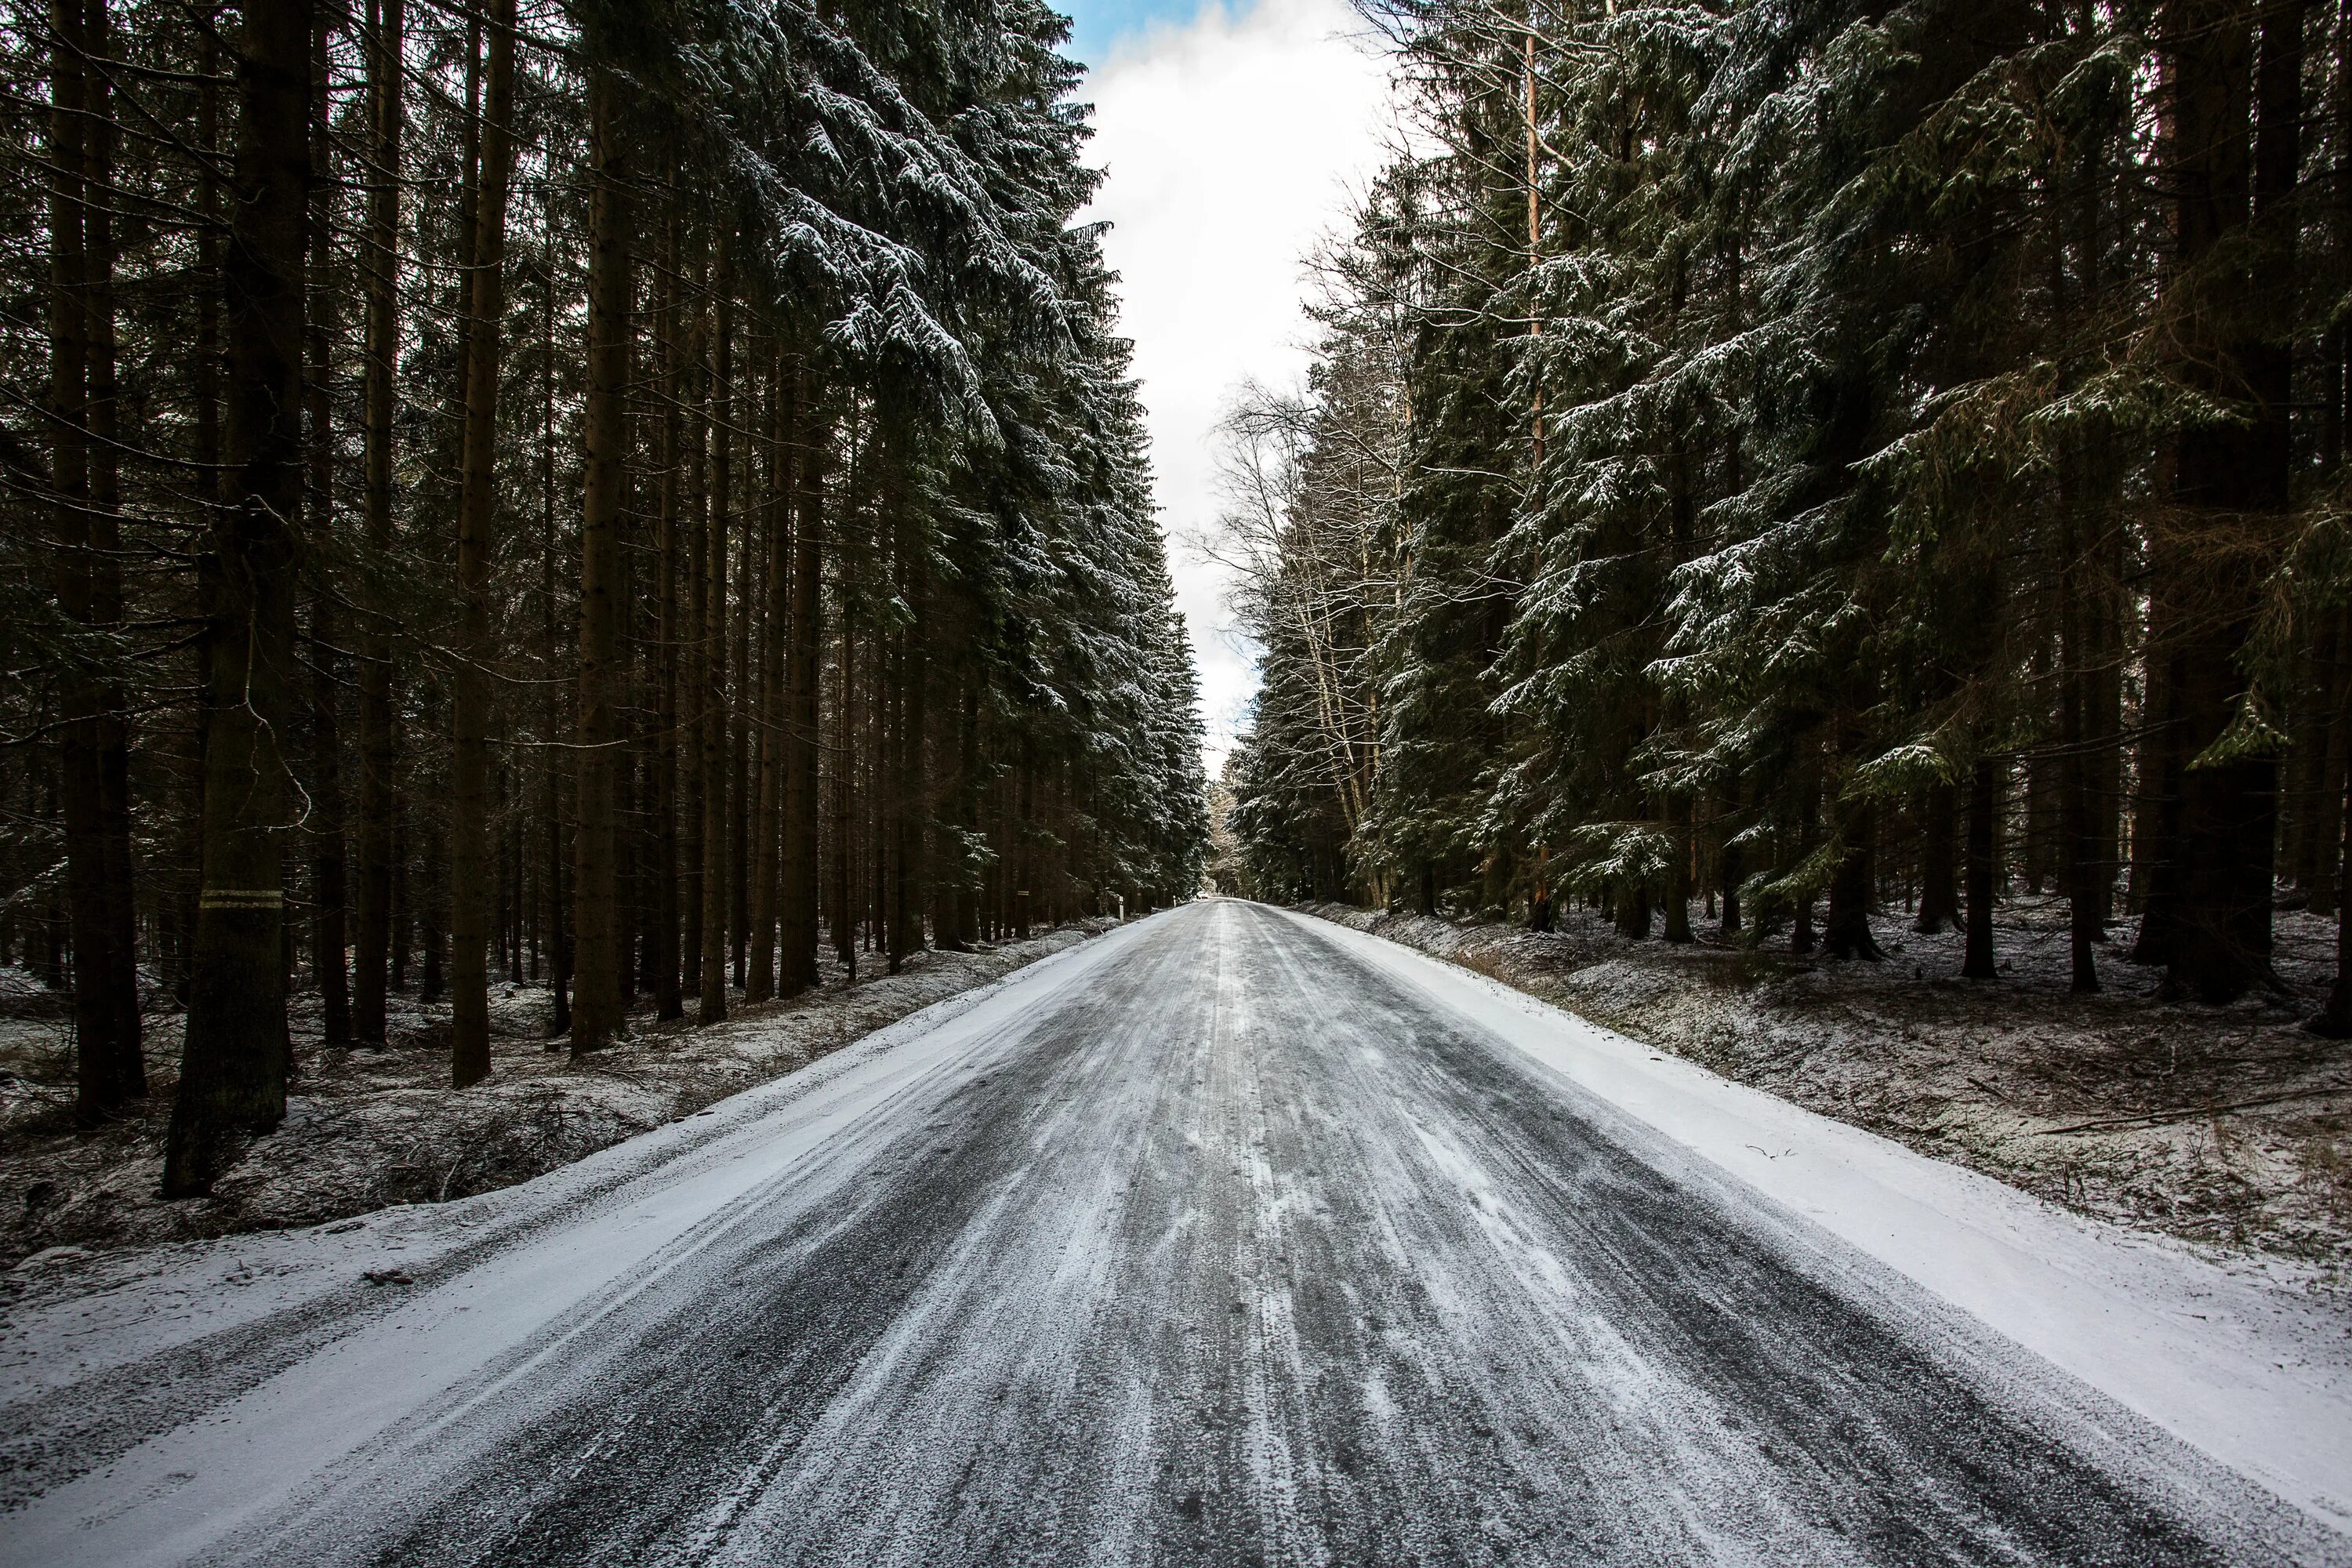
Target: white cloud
x: 1233, y: 144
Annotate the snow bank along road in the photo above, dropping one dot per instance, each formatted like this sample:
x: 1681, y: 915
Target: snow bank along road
x: 1229, y: 1238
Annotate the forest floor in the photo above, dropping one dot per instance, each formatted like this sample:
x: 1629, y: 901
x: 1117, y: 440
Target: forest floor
x: 369, y: 1128
x: 2225, y: 1126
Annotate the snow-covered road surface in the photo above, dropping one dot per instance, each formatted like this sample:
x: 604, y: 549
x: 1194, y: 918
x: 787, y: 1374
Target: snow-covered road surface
x: 1228, y: 1238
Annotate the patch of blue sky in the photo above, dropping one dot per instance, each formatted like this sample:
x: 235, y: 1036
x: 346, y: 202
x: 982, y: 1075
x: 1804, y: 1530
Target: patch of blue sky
x: 1099, y: 27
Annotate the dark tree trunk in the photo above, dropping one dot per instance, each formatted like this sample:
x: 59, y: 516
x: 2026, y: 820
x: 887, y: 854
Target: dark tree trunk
x: 669, y: 1000
x: 377, y: 784
x: 759, y: 980
x: 694, y: 612
x: 111, y: 1069
x: 741, y: 710
x: 1679, y: 882
x: 433, y: 891
x: 2156, y: 810
x: 596, y: 1016
x: 1976, y: 961
x: 472, y: 867
x: 712, y: 632
x: 798, y: 892
x: 1734, y: 869
x: 909, y: 788
x: 845, y: 774
x: 2321, y: 872
x: 2335, y: 1020
x: 1847, y: 932
x: 328, y: 891
x: 1939, y: 904
x: 1632, y: 911
x: 236, y: 1051
x: 403, y: 909
x: 2210, y: 572
x: 2078, y: 805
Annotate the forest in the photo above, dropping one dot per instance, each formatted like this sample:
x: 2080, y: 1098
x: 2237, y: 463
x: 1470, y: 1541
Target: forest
x: 646, y: 500
x: 1815, y: 465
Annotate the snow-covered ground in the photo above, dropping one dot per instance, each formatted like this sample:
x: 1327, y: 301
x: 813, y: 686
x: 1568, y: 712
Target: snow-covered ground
x: 366, y: 1129
x: 1232, y: 1235
x: 2229, y: 1127
x: 2256, y: 1374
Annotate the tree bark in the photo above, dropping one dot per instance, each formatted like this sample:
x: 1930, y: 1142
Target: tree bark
x: 471, y: 867
x: 377, y: 763
x: 910, y: 801
x: 845, y: 776
x: 663, y: 761
x: 1845, y: 933
x: 328, y: 890
x: 2223, y: 478
x: 712, y: 632
x: 1678, y: 878
x: 596, y: 1016
x: 2333, y: 1021
x: 109, y: 1069
x: 236, y: 1050
x: 741, y: 708
x: 2084, y: 873
x: 798, y: 894
x: 1938, y: 900
x: 694, y: 653
x: 1976, y: 961
x: 775, y: 720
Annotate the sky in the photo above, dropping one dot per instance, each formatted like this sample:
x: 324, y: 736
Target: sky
x: 1235, y: 137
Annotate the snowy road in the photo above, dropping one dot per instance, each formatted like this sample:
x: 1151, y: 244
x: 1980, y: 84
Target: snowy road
x: 1222, y: 1240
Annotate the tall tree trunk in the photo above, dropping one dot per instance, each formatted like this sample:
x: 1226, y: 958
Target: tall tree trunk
x: 798, y: 874
x: 2078, y: 804
x: 2210, y: 568
x: 596, y: 1000
x: 712, y: 633
x: 236, y: 1050
x: 328, y: 891
x: 741, y: 710
x: 694, y: 653
x: 947, y: 871
x: 553, y: 904
x: 205, y: 376
x: 845, y: 774
x: 404, y: 902
x: 910, y: 801
x: 775, y: 718
x: 1022, y: 848
x: 383, y: 349
x: 471, y: 868
x: 968, y: 786
x: 2156, y: 803
x: 110, y: 1070
x: 662, y: 763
